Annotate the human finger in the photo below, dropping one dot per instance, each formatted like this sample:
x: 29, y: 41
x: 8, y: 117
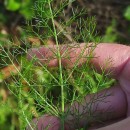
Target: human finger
x: 45, y: 122
x: 70, y: 54
x: 106, y: 123
x: 96, y: 108
x: 45, y: 55
x: 107, y: 105
x: 111, y: 57
x: 121, y: 125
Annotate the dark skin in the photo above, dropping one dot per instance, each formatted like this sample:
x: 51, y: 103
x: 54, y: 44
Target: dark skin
x: 119, y: 99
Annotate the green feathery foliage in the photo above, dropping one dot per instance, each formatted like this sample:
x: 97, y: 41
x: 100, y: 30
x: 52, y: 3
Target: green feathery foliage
x: 39, y: 89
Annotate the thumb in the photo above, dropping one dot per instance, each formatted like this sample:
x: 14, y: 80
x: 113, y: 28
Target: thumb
x: 46, y: 122
x: 124, y: 81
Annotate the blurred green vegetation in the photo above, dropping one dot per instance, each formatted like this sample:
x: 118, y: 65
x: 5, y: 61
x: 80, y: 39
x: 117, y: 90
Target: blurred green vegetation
x: 127, y: 13
x: 21, y: 6
x: 13, y: 37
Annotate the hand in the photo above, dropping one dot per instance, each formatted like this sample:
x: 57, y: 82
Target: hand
x: 120, y: 65
x: 119, y: 68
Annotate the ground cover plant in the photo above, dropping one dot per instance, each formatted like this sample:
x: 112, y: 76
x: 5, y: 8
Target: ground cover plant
x: 39, y: 89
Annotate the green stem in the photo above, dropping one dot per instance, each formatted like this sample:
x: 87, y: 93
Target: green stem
x: 60, y: 65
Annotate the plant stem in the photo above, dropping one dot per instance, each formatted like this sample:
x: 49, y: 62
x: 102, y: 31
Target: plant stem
x: 60, y: 66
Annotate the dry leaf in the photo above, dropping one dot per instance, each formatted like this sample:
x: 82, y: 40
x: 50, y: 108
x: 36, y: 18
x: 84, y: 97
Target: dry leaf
x: 34, y: 41
x: 9, y: 70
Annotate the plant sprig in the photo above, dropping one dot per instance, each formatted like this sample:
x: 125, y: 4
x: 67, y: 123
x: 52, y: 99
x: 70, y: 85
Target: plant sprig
x: 49, y: 90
